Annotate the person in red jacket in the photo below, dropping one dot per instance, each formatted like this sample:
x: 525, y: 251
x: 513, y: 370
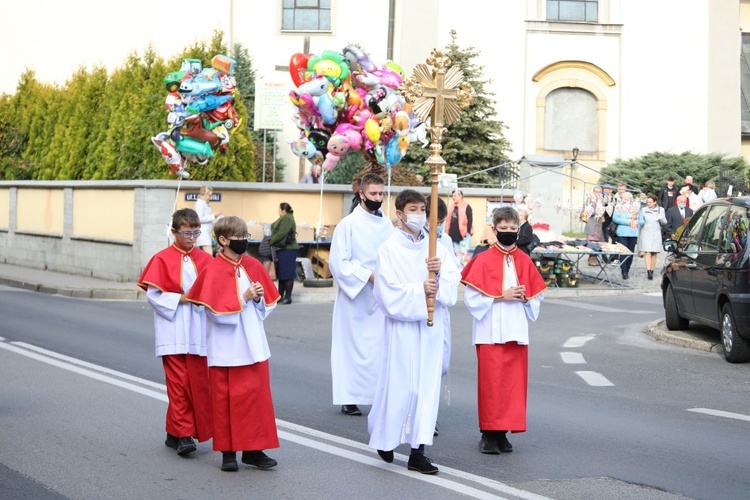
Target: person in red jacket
x: 180, y: 333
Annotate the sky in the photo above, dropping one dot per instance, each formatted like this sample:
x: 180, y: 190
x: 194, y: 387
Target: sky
x: 55, y: 37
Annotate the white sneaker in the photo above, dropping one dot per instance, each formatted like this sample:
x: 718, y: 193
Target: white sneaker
x: 615, y: 262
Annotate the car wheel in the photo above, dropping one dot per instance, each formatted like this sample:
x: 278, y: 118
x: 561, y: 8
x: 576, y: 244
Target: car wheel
x: 735, y: 348
x: 672, y: 315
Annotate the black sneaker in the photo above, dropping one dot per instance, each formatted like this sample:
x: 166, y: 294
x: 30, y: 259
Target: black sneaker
x: 488, y: 444
x: 437, y: 432
x: 387, y: 456
x: 502, y: 442
x: 421, y: 463
x: 185, y: 446
x: 171, y: 441
x: 229, y: 461
x: 351, y: 410
x: 258, y: 459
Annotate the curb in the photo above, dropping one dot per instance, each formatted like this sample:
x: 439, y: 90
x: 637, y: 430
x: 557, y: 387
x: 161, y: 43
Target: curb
x: 78, y: 293
x: 680, y: 338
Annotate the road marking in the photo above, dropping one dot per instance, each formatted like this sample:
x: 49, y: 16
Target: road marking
x: 595, y: 379
x: 594, y: 307
x: 719, y: 413
x: 577, y: 341
x: 653, y: 294
x: 573, y: 358
x: 106, y: 375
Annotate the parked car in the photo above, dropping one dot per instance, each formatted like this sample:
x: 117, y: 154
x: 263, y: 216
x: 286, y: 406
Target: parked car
x: 706, y: 275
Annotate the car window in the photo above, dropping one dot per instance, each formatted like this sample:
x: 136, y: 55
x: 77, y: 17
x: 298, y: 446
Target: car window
x: 711, y: 234
x: 735, y: 224
x: 689, y: 243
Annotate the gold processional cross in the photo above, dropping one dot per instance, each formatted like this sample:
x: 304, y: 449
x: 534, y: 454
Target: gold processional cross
x: 440, y: 94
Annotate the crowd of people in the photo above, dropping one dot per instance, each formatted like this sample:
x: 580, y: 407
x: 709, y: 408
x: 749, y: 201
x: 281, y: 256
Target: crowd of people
x: 390, y: 330
x: 642, y: 225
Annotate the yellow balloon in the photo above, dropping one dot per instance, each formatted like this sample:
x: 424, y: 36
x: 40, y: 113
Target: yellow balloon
x: 372, y: 129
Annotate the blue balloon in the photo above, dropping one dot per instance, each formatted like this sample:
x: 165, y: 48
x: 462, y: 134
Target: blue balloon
x: 392, y: 152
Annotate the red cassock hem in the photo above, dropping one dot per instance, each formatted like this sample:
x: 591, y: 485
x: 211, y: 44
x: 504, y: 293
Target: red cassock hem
x: 243, y: 413
x: 189, y: 408
x: 502, y: 371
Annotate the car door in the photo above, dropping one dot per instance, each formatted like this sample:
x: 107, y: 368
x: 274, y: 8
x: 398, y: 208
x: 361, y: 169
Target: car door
x: 682, y: 266
x: 706, y: 275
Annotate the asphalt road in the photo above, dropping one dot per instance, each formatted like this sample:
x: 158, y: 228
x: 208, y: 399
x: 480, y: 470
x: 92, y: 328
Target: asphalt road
x: 612, y: 413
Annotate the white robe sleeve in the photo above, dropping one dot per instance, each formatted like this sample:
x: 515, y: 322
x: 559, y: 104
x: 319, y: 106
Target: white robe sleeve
x: 448, y: 280
x: 261, y: 309
x: 164, y: 303
x: 532, y: 307
x: 477, y: 303
x: 350, y: 276
x: 402, y: 301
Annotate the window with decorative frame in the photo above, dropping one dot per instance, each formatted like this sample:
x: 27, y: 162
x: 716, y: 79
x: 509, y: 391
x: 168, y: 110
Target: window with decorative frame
x: 580, y: 11
x: 306, y: 15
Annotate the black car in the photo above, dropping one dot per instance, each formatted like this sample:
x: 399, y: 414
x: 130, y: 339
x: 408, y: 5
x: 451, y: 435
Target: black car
x: 706, y: 275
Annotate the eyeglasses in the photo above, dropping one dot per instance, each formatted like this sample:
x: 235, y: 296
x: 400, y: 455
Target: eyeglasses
x: 189, y: 234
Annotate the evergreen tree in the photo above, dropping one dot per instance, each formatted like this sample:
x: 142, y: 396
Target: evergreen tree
x: 476, y: 141
x: 649, y: 173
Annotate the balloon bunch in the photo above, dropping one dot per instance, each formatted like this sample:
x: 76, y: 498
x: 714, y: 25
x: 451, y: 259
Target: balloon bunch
x: 345, y: 102
x: 200, y: 113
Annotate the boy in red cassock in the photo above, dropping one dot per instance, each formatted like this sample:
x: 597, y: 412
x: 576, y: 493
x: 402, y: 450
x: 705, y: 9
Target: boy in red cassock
x: 503, y: 289
x: 238, y: 295
x: 180, y: 333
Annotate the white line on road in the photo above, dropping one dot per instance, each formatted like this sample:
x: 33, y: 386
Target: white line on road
x: 106, y: 375
x: 594, y: 379
x: 719, y: 413
x: 573, y: 358
x: 577, y: 341
x: 653, y: 294
x: 593, y: 307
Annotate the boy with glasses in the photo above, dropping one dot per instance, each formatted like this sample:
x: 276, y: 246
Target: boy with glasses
x: 238, y: 295
x: 180, y: 337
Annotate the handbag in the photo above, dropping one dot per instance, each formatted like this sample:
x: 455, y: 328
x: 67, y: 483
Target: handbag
x: 265, y: 249
x: 283, y: 242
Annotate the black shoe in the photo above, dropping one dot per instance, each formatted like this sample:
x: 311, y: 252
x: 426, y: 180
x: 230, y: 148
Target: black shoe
x: 185, y: 446
x: 351, y: 410
x: 258, y: 459
x: 502, y: 442
x: 387, y: 456
x: 488, y: 444
x: 421, y: 463
x: 650, y: 274
x: 229, y: 461
x: 437, y: 432
x: 286, y: 300
x: 171, y: 441
x: 625, y: 276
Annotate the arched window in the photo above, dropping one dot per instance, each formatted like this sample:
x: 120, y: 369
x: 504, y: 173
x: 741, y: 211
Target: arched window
x: 570, y: 120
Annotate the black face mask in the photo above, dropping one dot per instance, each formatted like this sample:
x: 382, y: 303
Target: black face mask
x: 506, y: 238
x: 238, y: 246
x: 371, y: 205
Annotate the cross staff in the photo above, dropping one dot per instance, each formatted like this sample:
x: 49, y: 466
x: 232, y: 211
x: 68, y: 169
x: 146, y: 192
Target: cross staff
x: 441, y: 94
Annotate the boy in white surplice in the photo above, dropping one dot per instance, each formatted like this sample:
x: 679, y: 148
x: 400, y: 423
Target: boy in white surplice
x: 408, y: 389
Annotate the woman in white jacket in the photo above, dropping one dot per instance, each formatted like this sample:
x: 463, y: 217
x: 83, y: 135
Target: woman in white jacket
x: 207, y: 218
x: 649, y: 239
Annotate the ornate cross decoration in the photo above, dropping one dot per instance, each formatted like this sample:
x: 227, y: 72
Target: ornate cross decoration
x: 441, y: 94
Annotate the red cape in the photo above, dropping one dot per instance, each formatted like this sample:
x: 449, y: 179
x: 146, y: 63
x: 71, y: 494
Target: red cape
x: 217, y: 285
x: 485, y: 272
x: 164, y: 270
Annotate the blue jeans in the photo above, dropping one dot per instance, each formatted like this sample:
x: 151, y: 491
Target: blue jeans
x: 627, y: 260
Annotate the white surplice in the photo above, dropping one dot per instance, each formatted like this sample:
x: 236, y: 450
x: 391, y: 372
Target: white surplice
x: 238, y: 339
x: 502, y: 321
x: 180, y: 328
x: 408, y: 389
x: 358, y: 323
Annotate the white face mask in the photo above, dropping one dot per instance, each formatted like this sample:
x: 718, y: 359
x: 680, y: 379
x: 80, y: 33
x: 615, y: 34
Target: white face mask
x: 415, y: 222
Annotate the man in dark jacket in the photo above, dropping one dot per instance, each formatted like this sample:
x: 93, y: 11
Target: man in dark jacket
x: 525, y: 232
x: 668, y: 194
x: 676, y: 216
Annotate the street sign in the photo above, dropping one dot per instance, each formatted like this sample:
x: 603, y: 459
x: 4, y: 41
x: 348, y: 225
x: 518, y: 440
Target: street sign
x: 271, y: 108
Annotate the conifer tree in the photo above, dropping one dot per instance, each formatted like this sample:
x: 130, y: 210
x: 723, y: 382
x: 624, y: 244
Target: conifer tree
x: 476, y: 141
